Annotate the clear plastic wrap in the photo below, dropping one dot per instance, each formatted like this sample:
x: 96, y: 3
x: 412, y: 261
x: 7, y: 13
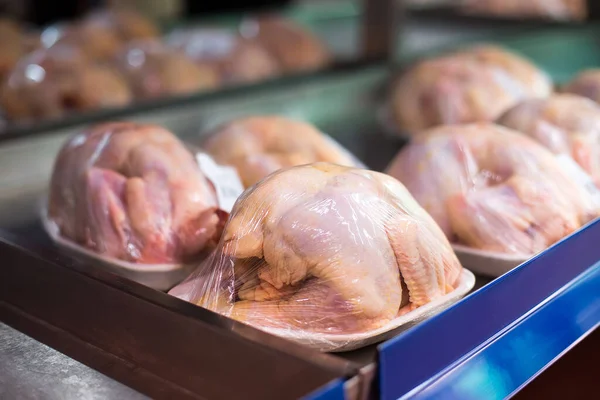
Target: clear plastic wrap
x: 295, y: 48
x: 49, y: 83
x: 586, y: 84
x: 236, y: 59
x: 126, y: 23
x: 565, y: 124
x: 493, y: 189
x: 260, y: 145
x: 320, y: 251
x: 154, y: 70
x: 472, y: 85
x: 568, y: 10
x: 134, y: 193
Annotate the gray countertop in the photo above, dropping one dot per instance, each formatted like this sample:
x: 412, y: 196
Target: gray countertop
x: 31, y: 370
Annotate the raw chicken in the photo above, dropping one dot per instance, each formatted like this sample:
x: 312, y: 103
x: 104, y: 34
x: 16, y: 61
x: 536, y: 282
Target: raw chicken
x: 493, y: 189
x: 586, y: 84
x: 133, y: 192
x: 472, y: 85
x: 325, y: 248
x: 126, y: 23
x: 565, y: 124
x: 295, y: 48
x: 154, y: 70
x: 237, y: 60
x: 551, y: 9
x: 15, y: 43
x: 258, y: 146
x: 53, y: 82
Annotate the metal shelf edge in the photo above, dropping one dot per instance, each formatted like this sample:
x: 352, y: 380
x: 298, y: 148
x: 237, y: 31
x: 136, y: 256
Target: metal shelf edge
x: 459, y: 341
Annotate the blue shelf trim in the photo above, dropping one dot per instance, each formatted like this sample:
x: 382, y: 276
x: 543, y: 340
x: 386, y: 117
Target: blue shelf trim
x: 504, y: 334
x: 334, y: 390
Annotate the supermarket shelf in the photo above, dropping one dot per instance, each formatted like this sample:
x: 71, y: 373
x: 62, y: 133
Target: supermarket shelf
x: 499, y: 338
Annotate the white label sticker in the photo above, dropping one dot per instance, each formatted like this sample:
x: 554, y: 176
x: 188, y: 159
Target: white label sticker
x: 575, y: 172
x: 225, y: 180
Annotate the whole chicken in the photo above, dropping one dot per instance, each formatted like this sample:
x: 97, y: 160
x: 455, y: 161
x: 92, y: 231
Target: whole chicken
x: 551, y: 9
x: 473, y: 85
x: 295, y: 48
x: 50, y: 83
x: 565, y: 124
x: 586, y: 84
x: 325, y: 248
x: 258, y: 146
x: 491, y: 188
x: 15, y: 43
x: 236, y: 59
x: 125, y: 23
x: 133, y: 192
x: 154, y: 70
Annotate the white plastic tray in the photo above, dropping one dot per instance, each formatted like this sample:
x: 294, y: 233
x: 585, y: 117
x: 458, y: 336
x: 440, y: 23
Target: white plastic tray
x: 157, y: 276
x: 488, y: 263
x: 339, y: 343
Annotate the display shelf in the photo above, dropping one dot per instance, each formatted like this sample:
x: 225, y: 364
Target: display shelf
x: 499, y: 338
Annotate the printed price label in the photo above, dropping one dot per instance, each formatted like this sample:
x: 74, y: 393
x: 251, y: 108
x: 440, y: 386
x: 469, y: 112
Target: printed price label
x: 225, y: 180
x: 581, y: 177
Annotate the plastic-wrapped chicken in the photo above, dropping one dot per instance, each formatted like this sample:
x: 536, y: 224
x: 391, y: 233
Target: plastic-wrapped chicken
x: 154, y: 70
x: 15, y: 43
x: 295, y: 48
x: 493, y: 189
x: 586, y: 84
x: 324, y: 249
x: 51, y: 82
x: 543, y: 9
x: 472, y: 85
x: 134, y: 193
x: 258, y: 146
x: 565, y: 124
x: 126, y: 23
x: 237, y: 60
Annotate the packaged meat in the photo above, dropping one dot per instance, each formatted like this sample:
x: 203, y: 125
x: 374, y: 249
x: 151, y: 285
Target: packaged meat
x: 155, y: 70
x: 321, y: 251
x: 295, y: 48
x: 50, y: 83
x: 586, y: 84
x: 260, y: 145
x: 565, y: 124
x: 493, y: 189
x: 237, y: 60
x: 125, y: 23
x: 97, y: 42
x: 133, y: 193
x: 472, y: 85
x: 15, y: 43
x: 543, y: 9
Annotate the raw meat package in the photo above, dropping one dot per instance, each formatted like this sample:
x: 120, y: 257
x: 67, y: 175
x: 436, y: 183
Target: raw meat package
x: 295, y: 48
x: 586, y: 84
x: 473, y: 85
x: 154, y: 70
x: 564, y: 123
x: 543, y: 9
x: 322, y: 249
x: 260, y: 145
x: 133, y: 193
x: 493, y: 189
x: 53, y: 82
x: 236, y: 59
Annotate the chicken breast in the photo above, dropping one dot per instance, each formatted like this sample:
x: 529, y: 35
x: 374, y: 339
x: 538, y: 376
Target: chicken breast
x: 473, y: 85
x: 493, y: 189
x: 563, y: 123
x: 133, y: 192
x: 326, y: 248
x: 258, y: 146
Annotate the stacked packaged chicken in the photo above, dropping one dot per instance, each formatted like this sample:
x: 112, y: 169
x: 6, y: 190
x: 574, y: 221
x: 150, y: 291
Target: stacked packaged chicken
x: 110, y: 58
x: 505, y: 166
x: 318, y: 249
